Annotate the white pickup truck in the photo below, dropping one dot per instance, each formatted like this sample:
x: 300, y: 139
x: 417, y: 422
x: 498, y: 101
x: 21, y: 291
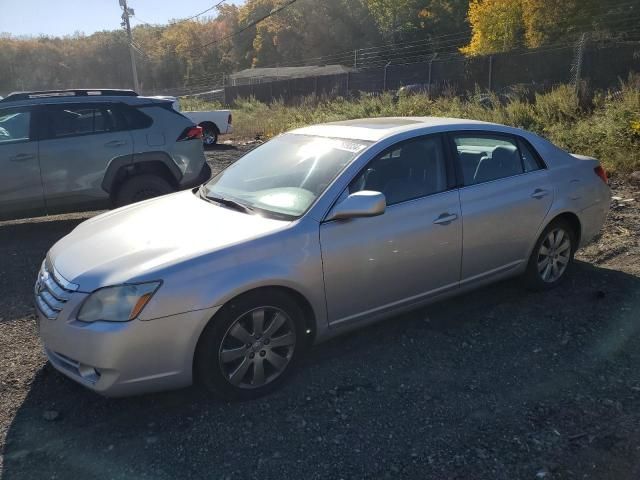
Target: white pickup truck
x: 213, y: 123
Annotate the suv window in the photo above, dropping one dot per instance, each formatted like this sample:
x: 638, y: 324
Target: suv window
x: 134, y: 118
x: 14, y: 125
x: 486, y: 157
x: 411, y: 169
x: 70, y: 120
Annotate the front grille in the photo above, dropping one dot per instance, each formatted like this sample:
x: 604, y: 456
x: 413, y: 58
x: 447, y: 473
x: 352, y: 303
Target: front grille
x: 52, y: 291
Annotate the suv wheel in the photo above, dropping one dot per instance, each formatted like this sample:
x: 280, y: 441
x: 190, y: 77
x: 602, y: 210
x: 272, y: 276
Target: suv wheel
x: 251, y: 345
x: 141, y: 187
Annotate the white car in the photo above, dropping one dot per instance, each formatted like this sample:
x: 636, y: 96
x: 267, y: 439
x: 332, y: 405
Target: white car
x: 213, y: 122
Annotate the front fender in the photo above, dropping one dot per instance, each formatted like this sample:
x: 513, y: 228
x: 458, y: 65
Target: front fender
x: 290, y: 259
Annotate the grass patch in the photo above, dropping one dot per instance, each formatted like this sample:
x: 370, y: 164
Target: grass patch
x: 606, y: 127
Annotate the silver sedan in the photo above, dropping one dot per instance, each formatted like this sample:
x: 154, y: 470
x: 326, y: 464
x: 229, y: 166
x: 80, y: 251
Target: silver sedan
x: 318, y: 231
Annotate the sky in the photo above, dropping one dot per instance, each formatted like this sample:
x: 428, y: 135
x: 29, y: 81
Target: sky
x: 66, y: 17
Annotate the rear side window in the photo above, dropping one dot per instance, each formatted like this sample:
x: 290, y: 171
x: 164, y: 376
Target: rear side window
x: 15, y: 125
x: 530, y: 159
x: 134, y: 118
x: 483, y: 158
x: 71, y: 120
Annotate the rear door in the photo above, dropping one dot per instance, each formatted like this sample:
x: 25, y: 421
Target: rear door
x: 78, y: 141
x: 20, y: 184
x: 505, y: 196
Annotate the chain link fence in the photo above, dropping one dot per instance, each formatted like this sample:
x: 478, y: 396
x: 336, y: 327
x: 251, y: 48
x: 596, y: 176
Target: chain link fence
x: 600, y: 66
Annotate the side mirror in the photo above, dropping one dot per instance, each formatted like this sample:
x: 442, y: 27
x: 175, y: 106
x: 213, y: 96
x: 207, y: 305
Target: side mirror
x: 364, y: 203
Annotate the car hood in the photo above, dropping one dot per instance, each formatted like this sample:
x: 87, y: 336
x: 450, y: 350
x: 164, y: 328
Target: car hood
x: 134, y: 243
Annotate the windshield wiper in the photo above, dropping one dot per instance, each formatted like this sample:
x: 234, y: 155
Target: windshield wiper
x: 227, y: 202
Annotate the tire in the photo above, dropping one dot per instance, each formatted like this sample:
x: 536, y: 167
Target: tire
x: 228, y: 360
x: 209, y: 135
x: 141, y: 187
x: 541, y: 275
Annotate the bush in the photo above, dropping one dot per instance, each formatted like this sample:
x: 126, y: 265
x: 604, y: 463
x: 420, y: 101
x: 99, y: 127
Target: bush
x: 608, y: 128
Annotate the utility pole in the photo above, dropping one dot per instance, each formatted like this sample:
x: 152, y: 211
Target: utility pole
x: 126, y: 13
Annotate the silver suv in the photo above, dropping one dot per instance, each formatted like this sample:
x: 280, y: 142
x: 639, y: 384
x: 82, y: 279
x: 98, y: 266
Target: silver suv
x: 71, y: 150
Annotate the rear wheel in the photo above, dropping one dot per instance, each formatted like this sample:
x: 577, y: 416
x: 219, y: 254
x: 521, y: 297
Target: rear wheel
x: 209, y: 134
x: 552, y: 256
x: 141, y: 187
x: 251, y: 345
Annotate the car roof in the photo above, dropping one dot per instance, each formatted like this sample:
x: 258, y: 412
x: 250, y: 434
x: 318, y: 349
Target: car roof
x: 374, y: 129
x: 111, y: 96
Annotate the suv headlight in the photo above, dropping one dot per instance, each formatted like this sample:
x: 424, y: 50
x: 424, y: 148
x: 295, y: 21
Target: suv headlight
x: 117, y: 304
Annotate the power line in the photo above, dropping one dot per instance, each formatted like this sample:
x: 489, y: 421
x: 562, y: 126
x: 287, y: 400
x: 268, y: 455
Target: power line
x: 252, y: 24
x: 202, y: 12
x: 141, y: 20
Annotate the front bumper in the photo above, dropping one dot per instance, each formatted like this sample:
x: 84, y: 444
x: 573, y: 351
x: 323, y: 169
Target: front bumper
x: 123, y: 358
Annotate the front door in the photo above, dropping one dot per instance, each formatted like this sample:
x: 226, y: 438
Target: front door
x: 20, y: 182
x: 405, y: 255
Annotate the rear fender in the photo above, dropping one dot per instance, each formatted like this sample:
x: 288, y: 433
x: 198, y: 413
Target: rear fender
x: 118, y: 167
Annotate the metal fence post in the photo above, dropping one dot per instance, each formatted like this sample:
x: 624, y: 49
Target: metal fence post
x: 577, y: 62
x: 490, y: 73
x: 384, y: 79
x: 347, y: 92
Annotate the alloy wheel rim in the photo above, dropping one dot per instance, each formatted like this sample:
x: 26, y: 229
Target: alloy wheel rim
x: 257, y: 347
x: 554, y: 255
x: 209, y: 138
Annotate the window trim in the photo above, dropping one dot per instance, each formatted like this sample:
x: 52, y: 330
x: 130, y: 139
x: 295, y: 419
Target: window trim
x: 449, y: 167
x: 516, y: 139
x: 33, y: 137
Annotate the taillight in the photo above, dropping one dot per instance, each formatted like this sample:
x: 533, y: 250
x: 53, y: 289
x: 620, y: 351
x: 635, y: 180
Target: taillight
x: 601, y: 173
x: 230, y: 121
x: 190, y: 133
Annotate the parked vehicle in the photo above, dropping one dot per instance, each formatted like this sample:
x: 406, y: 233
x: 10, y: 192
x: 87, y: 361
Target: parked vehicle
x: 316, y: 232
x: 75, y: 150
x: 213, y: 122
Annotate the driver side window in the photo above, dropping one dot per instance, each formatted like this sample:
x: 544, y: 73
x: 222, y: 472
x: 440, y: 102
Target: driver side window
x: 409, y: 170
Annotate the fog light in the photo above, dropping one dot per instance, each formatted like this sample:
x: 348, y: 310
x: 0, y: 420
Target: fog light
x: 88, y: 373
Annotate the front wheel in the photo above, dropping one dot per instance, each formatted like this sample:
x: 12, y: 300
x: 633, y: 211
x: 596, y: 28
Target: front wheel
x: 251, y: 345
x: 552, y: 256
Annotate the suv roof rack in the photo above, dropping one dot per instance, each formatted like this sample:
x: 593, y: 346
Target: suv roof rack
x: 90, y: 92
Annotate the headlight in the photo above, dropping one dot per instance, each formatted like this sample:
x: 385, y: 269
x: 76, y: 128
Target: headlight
x: 117, y: 304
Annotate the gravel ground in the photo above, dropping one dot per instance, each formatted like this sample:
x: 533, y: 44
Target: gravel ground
x: 500, y: 383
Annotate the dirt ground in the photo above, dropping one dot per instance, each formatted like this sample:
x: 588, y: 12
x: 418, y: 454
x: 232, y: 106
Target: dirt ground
x: 500, y: 383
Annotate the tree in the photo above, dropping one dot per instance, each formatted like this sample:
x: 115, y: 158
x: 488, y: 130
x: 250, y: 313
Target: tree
x: 497, y: 26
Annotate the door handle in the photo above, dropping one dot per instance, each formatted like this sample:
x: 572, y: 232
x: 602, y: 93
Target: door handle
x: 445, y: 219
x: 115, y: 143
x: 21, y: 157
x: 539, y: 193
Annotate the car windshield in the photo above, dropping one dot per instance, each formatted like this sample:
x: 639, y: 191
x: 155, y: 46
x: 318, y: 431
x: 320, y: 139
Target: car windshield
x: 285, y: 175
